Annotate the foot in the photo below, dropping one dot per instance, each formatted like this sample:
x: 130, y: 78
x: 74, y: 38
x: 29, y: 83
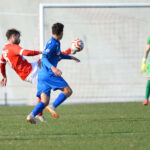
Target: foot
x: 145, y: 103
x: 31, y: 119
x: 52, y: 110
x: 41, y: 118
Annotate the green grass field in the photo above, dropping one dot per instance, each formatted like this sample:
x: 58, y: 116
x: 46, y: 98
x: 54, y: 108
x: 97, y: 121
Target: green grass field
x: 109, y: 126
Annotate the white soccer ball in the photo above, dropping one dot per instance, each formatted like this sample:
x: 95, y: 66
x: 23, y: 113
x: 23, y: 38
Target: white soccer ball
x: 76, y: 46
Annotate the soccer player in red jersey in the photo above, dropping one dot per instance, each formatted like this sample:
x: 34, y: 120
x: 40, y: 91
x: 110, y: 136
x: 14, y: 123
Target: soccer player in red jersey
x: 13, y: 54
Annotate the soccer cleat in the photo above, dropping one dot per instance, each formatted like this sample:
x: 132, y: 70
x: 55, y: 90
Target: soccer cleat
x: 52, y: 110
x: 145, y: 103
x: 31, y: 119
x: 41, y: 118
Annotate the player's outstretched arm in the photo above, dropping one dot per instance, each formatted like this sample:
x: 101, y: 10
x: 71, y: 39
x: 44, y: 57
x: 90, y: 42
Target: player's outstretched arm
x: 3, y: 82
x: 18, y: 50
x: 26, y: 52
x: 63, y: 56
x: 75, y: 59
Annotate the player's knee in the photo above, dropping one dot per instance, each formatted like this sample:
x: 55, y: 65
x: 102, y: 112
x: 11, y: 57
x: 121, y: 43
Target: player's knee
x: 46, y: 103
x: 45, y: 99
x: 69, y: 92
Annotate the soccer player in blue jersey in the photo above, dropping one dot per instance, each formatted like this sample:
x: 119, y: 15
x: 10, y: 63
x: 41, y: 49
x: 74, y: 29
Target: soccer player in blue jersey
x: 49, y: 77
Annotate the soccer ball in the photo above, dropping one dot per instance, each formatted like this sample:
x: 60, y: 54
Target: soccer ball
x: 76, y: 46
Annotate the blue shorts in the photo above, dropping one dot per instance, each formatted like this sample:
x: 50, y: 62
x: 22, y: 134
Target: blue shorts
x: 48, y: 82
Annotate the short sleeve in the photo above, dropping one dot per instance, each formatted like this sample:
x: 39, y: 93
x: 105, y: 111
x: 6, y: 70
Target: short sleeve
x: 50, y: 49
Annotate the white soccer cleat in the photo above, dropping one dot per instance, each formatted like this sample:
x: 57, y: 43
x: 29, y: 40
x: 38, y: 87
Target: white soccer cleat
x: 31, y: 119
x: 52, y: 110
x: 41, y: 118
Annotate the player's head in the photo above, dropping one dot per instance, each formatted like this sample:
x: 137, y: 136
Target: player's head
x: 13, y: 36
x: 57, y: 30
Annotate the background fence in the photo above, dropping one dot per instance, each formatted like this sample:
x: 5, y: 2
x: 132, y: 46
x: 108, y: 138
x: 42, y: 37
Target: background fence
x: 115, y: 39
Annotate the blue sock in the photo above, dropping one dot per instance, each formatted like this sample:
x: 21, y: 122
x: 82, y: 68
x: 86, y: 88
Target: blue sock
x: 38, y: 108
x: 61, y: 97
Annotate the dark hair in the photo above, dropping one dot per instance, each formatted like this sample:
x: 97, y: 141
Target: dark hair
x: 57, y: 28
x: 10, y: 32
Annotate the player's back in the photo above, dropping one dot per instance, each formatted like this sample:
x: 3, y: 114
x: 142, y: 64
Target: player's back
x: 12, y: 53
x: 52, y: 54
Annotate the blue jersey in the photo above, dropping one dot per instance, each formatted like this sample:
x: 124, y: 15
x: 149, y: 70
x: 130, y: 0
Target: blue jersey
x: 51, y: 55
x: 47, y: 80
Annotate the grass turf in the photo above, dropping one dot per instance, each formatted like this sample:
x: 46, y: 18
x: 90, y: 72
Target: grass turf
x: 109, y: 126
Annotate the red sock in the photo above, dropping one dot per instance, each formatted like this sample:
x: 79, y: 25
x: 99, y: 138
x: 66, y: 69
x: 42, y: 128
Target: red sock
x: 41, y: 113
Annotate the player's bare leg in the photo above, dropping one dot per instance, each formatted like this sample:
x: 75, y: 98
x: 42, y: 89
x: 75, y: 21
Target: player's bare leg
x: 66, y: 92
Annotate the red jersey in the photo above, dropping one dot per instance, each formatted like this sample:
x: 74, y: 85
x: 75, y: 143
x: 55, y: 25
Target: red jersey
x: 13, y: 54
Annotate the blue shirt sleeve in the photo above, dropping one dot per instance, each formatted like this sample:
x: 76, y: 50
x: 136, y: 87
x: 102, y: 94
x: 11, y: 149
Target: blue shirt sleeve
x: 63, y: 56
x: 50, y: 50
x: 46, y: 61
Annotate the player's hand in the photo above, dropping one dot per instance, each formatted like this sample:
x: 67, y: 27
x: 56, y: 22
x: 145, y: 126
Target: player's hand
x: 56, y: 71
x: 74, y: 58
x: 40, y: 52
x: 144, y: 66
x: 4, y: 81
